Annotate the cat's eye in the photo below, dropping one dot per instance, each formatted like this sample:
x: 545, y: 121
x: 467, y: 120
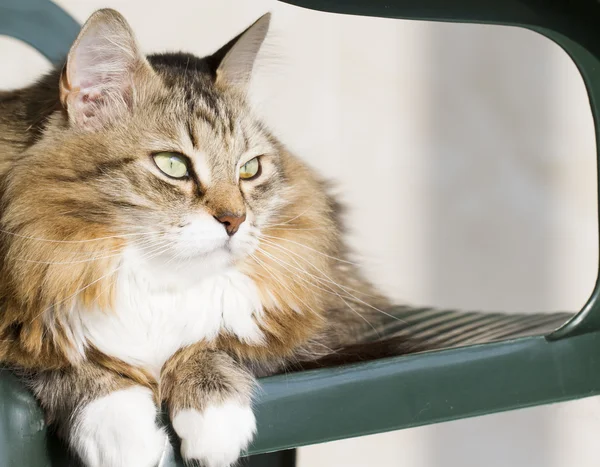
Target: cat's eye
x: 250, y: 169
x: 172, y: 164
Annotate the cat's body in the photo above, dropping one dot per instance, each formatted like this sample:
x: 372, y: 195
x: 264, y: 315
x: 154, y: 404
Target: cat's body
x: 125, y: 286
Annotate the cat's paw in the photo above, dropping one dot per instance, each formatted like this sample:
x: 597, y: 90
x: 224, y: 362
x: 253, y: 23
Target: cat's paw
x: 216, y: 436
x: 119, y: 430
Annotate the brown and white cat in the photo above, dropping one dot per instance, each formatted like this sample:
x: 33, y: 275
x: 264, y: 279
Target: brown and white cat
x: 159, y: 245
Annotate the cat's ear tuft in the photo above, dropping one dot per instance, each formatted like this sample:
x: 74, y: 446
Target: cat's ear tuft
x: 96, y: 84
x: 235, y: 60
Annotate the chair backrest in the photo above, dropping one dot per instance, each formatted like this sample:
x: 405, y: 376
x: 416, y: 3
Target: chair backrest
x: 40, y: 23
x: 575, y: 26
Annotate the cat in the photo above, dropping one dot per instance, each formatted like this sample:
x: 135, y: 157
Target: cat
x: 159, y: 246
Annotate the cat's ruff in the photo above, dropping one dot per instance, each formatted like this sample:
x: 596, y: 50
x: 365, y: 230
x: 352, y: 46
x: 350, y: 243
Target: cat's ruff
x: 151, y: 321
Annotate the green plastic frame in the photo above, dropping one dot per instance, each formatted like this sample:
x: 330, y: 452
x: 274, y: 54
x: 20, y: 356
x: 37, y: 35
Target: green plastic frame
x: 323, y: 405
x: 41, y: 24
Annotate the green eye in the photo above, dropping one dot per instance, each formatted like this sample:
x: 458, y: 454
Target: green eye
x: 250, y: 169
x: 172, y: 164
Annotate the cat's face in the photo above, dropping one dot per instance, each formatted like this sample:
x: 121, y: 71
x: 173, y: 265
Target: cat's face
x: 205, y: 180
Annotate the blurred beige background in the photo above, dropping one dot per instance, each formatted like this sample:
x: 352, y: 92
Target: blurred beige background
x: 467, y: 156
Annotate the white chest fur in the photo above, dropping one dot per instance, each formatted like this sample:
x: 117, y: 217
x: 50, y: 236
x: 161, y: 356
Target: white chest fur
x: 151, y: 320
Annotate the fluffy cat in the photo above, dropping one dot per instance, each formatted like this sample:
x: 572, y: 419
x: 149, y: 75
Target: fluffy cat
x: 159, y: 246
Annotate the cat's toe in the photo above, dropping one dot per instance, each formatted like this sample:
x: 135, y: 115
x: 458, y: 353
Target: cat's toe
x: 119, y: 430
x: 216, y: 436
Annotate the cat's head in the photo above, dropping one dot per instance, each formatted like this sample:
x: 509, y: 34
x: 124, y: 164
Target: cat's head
x: 161, y: 156
x: 164, y: 147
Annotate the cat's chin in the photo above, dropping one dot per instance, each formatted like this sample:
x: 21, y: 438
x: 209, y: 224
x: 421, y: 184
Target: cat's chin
x: 189, y: 267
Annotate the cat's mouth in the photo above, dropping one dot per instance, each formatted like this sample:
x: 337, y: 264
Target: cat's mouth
x: 206, y: 240
x: 241, y: 245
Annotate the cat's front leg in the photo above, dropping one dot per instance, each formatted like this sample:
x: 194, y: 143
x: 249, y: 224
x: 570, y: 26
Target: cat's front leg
x: 105, y: 418
x: 208, y: 396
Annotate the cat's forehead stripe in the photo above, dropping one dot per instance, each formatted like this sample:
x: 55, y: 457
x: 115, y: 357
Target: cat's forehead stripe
x: 192, y: 134
x: 202, y: 168
x: 203, y: 113
x: 192, y: 147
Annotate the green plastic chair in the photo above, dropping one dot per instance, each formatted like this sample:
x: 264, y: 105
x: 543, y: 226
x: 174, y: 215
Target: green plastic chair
x: 486, y: 363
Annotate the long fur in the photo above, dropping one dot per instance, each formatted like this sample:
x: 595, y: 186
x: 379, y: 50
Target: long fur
x: 109, y: 267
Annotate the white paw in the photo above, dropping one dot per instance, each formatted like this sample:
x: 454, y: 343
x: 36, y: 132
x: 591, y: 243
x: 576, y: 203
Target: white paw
x: 119, y: 430
x: 217, y: 435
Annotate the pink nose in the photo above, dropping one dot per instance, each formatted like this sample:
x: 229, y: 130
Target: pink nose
x: 231, y: 222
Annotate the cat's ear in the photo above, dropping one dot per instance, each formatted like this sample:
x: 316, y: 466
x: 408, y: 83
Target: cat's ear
x: 96, y: 85
x: 233, y: 63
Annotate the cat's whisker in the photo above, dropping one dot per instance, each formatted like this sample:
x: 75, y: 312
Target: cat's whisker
x: 304, y: 280
x: 277, y: 280
x: 280, y: 282
x: 293, y: 218
x: 103, y: 290
x: 76, y: 293
x: 43, y: 112
x: 321, y: 344
x: 350, y: 296
x: 328, y: 290
x: 73, y: 295
x: 308, y: 248
x: 160, y: 248
x: 360, y: 315
x: 286, y: 250
x: 56, y: 263
x: 173, y: 258
x: 109, y: 254
x: 296, y: 229
x: 333, y: 292
x: 48, y: 240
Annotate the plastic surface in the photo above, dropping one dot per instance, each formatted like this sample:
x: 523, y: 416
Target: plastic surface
x: 22, y: 428
x: 407, y: 391
x: 318, y: 406
x: 41, y: 24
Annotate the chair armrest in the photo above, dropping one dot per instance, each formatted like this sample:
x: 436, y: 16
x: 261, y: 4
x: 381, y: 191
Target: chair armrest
x: 22, y: 427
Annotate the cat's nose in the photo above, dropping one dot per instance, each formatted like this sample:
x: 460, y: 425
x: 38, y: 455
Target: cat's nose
x: 231, y: 222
